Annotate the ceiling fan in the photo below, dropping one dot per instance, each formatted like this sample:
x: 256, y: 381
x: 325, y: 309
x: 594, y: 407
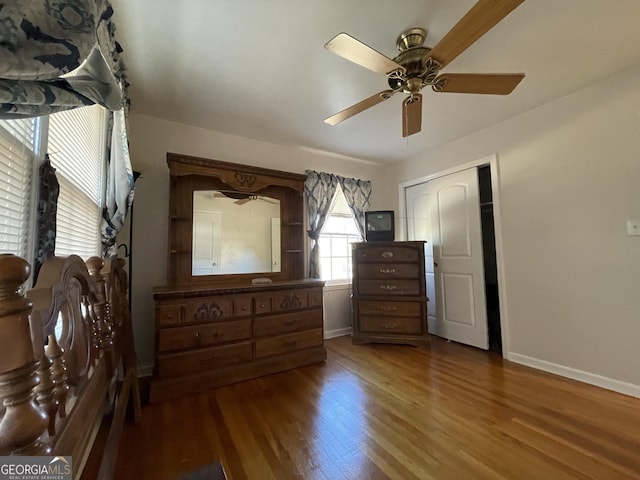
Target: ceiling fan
x: 417, y: 66
x: 250, y: 198
x: 242, y: 198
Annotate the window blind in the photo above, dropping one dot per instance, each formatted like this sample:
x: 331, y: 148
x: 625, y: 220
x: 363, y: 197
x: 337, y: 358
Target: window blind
x: 17, y: 139
x: 77, y: 222
x: 76, y: 146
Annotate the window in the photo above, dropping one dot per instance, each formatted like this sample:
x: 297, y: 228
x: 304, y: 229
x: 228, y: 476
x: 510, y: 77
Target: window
x: 76, y: 147
x: 17, y: 163
x: 75, y: 140
x: 338, y: 233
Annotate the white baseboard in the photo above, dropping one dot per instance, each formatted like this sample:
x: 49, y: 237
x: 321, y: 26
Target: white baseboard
x: 337, y: 333
x: 582, y: 376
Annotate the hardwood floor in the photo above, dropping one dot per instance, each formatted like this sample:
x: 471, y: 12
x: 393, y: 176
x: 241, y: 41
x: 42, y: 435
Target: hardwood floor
x: 383, y: 411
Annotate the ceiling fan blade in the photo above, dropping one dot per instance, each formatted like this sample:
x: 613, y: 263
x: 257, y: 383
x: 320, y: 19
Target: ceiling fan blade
x: 412, y: 114
x: 487, y: 83
x: 482, y: 17
x: 348, y: 47
x: 359, y: 107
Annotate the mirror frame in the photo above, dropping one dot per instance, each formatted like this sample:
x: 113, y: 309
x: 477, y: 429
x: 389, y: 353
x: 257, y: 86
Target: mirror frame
x: 189, y: 174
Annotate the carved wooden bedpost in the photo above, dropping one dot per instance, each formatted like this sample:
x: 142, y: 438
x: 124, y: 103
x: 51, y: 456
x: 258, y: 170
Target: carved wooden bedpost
x: 23, y: 422
x: 102, y: 310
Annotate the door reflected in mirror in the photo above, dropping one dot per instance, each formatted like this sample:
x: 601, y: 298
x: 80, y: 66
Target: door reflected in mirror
x: 235, y: 232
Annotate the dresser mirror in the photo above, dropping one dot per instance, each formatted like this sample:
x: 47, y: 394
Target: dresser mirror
x: 234, y: 232
x: 231, y: 223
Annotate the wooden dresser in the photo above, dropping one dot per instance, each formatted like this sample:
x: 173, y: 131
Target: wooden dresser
x: 214, y: 324
x: 207, y: 337
x: 389, y: 293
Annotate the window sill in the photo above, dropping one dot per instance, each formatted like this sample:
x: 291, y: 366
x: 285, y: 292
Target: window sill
x: 343, y: 284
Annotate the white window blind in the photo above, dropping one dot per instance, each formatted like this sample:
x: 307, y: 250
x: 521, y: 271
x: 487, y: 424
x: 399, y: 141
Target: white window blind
x: 17, y: 139
x: 76, y: 147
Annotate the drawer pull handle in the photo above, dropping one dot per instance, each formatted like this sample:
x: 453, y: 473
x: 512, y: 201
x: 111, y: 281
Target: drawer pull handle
x: 389, y: 326
x: 215, y: 333
x: 388, y: 287
x: 387, y: 254
x: 198, y: 335
x: 385, y: 308
x: 387, y: 270
x: 262, y: 305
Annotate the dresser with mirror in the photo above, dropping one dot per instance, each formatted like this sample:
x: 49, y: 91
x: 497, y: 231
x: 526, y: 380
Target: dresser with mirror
x: 236, y: 305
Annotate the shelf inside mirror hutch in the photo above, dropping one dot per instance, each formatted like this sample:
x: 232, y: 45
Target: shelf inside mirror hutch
x: 236, y: 305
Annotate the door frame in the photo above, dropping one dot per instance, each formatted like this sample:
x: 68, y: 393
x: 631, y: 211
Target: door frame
x: 492, y: 161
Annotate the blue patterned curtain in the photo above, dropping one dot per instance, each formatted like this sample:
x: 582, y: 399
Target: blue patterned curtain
x: 120, y: 184
x: 358, y: 196
x: 58, y: 54
x: 320, y: 189
x: 61, y: 54
x: 48, y: 192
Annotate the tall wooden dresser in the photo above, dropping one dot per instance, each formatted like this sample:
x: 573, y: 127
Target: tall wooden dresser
x: 389, y: 293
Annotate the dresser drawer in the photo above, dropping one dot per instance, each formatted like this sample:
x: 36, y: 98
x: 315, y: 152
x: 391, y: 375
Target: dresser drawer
x: 390, y: 308
x: 181, y: 338
x: 381, y: 270
x: 388, y: 254
x: 208, y: 310
x: 167, y: 315
x: 283, y: 301
x: 389, y: 324
x: 180, y: 364
x: 287, y: 322
x: 242, y: 305
x: 267, y: 347
x: 294, y: 300
x: 263, y: 304
x: 389, y: 287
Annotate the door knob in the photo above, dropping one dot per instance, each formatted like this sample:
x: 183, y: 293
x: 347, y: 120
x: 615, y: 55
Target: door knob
x: 435, y: 264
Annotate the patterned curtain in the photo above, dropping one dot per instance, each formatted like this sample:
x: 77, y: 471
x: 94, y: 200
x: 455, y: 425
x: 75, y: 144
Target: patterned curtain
x: 61, y: 54
x: 358, y: 196
x: 48, y: 192
x: 320, y: 189
x: 120, y: 184
x: 57, y: 55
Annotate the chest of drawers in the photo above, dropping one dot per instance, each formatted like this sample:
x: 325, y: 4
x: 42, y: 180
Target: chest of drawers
x: 389, y: 293
x: 208, y: 337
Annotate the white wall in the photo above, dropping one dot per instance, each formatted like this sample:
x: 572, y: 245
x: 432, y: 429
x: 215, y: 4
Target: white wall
x: 150, y: 140
x: 569, y: 178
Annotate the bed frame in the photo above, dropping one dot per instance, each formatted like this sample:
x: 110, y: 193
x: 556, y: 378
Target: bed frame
x: 67, y: 359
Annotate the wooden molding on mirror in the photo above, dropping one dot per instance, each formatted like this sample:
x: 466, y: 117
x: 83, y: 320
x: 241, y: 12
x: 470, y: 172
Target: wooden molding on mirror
x: 189, y: 174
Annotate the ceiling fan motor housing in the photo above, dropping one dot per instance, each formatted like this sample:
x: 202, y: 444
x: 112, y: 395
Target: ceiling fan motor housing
x: 412, y: 57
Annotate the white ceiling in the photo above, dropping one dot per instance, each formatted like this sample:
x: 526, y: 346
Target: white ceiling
x: 258, y: 68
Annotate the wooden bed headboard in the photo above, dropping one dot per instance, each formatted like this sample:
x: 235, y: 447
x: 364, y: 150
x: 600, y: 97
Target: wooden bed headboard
x: 66, y: 359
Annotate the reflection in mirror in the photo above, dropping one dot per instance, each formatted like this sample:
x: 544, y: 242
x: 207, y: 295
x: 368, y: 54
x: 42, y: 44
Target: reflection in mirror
x: 235, y: 232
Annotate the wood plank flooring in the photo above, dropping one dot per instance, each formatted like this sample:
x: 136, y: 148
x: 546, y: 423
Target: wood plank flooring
x: 393, y: 412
